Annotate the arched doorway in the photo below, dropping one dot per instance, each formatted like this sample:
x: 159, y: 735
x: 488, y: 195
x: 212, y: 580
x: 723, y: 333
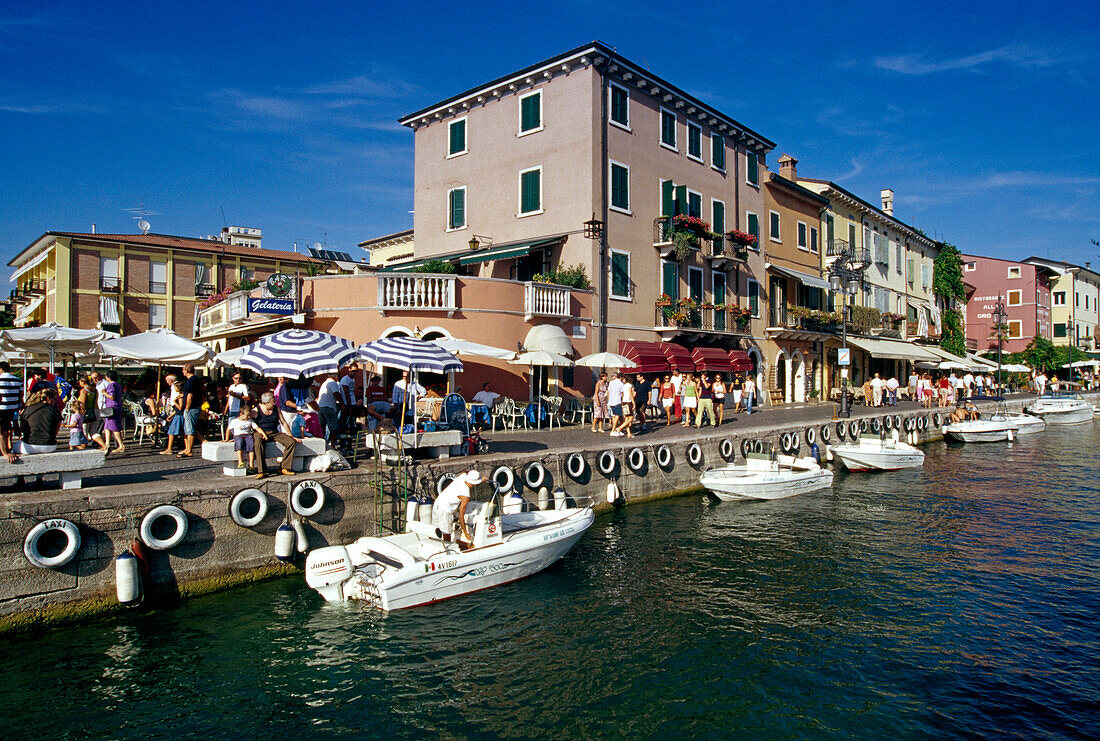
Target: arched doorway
x: 782, y: 375
x: 798, y: 377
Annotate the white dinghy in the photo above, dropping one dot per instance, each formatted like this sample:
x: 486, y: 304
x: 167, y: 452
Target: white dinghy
x: 766, y: 476
x: 416, y: 567
x: 874, y: 453
x: 1063, y: 407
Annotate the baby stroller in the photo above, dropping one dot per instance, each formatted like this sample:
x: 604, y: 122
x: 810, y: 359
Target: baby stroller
x: 458, y: 418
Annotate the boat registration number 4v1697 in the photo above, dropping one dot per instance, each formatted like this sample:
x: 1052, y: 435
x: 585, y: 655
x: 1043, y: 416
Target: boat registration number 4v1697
x: 430, y: 566
x: 557, y: 534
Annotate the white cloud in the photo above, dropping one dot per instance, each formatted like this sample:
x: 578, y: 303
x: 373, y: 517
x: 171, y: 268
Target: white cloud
x: 1020, y: 56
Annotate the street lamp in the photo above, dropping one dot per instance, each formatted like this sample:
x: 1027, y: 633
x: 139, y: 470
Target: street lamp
x: 999, y: 317
x: 845, y: 272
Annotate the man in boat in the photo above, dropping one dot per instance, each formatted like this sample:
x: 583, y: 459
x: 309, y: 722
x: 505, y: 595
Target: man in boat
x: 451, y: 505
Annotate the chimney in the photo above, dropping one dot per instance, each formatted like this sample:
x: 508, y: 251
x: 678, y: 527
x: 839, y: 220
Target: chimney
x: 93, y: 228
x: 788, y: 168
x: 888, y: 202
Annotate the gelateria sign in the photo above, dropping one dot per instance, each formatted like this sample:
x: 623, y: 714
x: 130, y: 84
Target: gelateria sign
x: 280, y: 306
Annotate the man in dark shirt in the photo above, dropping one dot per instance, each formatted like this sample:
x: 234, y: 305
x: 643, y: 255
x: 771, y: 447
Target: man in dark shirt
x: 271, y: 428
x: 642, y: 387
x: 192, y: 407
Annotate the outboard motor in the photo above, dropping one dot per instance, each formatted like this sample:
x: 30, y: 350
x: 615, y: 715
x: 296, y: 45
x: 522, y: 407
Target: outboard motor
x: 327, y: 569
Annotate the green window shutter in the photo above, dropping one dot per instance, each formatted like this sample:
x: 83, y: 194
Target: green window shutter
x: 719, y: 288
x: 458, y: 137
x: 668, y: 128
x: 718, y: 217
x: 754, y: 227
x: 773, y: 226
x: 457, y: 209
x: 530, y: 191
x: 670, y: 279
x: 620, y: 275
x: 802, y: 235
x: 668, y: 198
x: 681, y: 199
x: 695, y: 205
x: 754, y: 297
x: 813, y: 239
x: 619, y: 102
x: 753, y: 174
x: 718, y: 152
x: 695, y: 141
x: 530, y: 112
x: 620, y: 187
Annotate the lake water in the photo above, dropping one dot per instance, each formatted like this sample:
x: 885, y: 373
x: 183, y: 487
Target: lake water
x: 961, y: 600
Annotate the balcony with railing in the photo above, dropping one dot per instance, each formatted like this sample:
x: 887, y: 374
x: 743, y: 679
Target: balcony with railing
x: 546, y: 300
x: 416, y: 292
x: 27, y: 291
x: 861, y: 256
x: 798, y: 319
x: 233, y: 311
x: 696, y: 318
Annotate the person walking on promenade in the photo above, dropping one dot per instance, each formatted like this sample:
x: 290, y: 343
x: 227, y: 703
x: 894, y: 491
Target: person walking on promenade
x: 642, y: 388
x: 668, y: 399
x: 615, y: 403
x: 876, y: 390
x: 691, y: 399
x: 892, y: 391
x: 719, y: 396
x: 738, y: 387
x: 192, y: 407
x: 1041, y: 383
x: 110, y: 398
x: 330, y: 405
x: 11, y: 397
x: 914, y: 380
x: 601, y: 411
x: 678, y: 403
x: 943, y: 388
x: 748, y: 393
x: 271, y: 426
x: 628, y: 406
x: 706, y: 402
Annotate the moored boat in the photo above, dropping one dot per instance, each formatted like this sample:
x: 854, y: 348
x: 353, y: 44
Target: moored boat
x: 766, y: 476
x: 1062, y: 407
x: 417, y: 567
x: 877, y: 454
x: 1026, y: 424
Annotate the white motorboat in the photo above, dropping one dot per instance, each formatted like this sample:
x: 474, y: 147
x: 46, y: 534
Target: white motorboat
x: 874, y: 453
x: 766, y: 476
x: 1063, y: 407
x: 417, y: 567
x: 996, y: 427
x: 1025, y: 423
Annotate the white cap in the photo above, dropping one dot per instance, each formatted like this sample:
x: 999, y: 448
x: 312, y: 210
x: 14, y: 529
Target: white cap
x: 473, y: 477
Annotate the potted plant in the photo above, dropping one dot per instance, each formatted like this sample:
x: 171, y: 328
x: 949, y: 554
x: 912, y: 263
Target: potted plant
x: 664, y: 300
x: 741, y: 239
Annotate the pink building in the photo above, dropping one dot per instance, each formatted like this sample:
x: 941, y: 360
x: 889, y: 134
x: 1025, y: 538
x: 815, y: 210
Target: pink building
x: 1024, y: 289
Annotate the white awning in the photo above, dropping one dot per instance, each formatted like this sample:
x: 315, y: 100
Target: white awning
x: 108, y: 311
x: 27, y: 311
x: 804, y: 278
x: 892, y: 349
x: 29, y: 265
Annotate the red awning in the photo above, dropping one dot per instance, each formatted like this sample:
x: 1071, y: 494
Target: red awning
x: 710, y: 359
x: 647, y: 355
x: 740, y: 360
x: 679, y: 358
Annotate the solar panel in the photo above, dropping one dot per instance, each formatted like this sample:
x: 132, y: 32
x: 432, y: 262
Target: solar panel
x: 334, y: 255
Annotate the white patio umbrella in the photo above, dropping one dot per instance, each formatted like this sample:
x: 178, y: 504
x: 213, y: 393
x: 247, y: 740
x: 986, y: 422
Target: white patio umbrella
x: 230, y: 357
x: 536, y: 359
x: 159, y: 346
x: 54, y: 339
x: 465, y: 347
x: 606, y: 360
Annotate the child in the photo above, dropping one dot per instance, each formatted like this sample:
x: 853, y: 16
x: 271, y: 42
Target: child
x: 241, y: 428
x: 77, y: 439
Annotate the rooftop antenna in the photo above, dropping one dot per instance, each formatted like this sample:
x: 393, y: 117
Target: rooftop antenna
x: 224, y: 222
x: 140, y: 213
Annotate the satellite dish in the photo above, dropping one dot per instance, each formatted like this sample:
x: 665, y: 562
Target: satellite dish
x: 144, y: 225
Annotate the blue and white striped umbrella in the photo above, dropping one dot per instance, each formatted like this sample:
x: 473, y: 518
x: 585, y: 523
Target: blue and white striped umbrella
x: 295, y: 352
x: 411, y: 354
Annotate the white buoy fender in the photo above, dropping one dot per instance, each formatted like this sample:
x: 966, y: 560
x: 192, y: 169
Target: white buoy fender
x: 612, y: 493
x: 504, y: 479
x: 811, y: 436
x: 828, y: 454
x: 34, y: 553
x: 559, y: 499
x: 412, y: 509
x: 301, y: 492
x: 725, y: 449
x: 425, y: 514
x: 574, y: 465
x: 543, y: 498
x: 663, y: 456
x: 127, y: 579
x: 826, y: 433
x: 513, y: 504
x: 241, y: 500
x: 606, y: 463
x: 284, y: 542
x: 695, y: 454
x: 179, y: 532
x: 301, y: 540
x: 636, y: 460
x: 534, y: 475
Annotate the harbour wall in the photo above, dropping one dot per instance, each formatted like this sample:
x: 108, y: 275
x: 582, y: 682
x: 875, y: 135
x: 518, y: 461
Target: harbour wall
x: 217, y: 553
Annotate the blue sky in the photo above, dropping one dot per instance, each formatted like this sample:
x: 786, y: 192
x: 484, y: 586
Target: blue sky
x: 982, y: 117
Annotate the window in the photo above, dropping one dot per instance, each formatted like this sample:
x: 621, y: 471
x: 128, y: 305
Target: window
x: 620, y: 187
x: 911, y: 269
x: 108, y: 273
x: 668, y: 129
x: 813, y: 240
x: 1059, y: 329
x: 897, y: 256
x: 1015, y: 298
x: 456, y: 137
x: 246, y: 273
x: 752, y: 223
x: 620, y: 106
x: 852, y: 237
x: 456, y: 208
x: 754, y: 297
x: 1076, y: 298
x: 695, y: 204
x: 752, y: 171
x: 668, y: 198
x: 1014, y: 272
x: 971, y: 266
x: 1059, y: 298
x: 773, y: 226
x: 530, y: 113
x: 530, y: 191
x: 158, y: 316
x: 695, y: 284
x: 695, y: 142
x: 670, y: 279
x: 620, y: 274
x: 718, y: 152
x: 718, y: 222
x: 803, y: 236
x: 925, y: 277
x: 1015, y: 329
x: 158, y: 277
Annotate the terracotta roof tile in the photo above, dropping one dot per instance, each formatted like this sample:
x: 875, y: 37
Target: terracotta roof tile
x: 188, y: 243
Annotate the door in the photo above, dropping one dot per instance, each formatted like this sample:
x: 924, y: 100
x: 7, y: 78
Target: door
x: 719, y: 280
x: 777, y: 302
